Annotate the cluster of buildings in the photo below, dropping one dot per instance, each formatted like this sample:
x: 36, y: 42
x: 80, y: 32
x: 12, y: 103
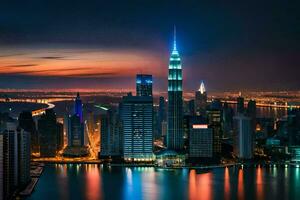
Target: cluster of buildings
x: 174, y: 132
x: 27, y: 136
x: 192, y: 131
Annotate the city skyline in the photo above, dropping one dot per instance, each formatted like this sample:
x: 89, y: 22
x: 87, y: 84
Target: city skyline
x: 215, y: 113
x: 223, y: 44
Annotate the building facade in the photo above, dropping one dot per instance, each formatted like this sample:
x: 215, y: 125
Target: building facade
x: 23, y: 158
x: 137, y: 123
x: 78, y: 107
x: 175, y: 140
x: 143, y: 85
x: 200, y: 141
x: 75, y: 132
x: 49, y: 134
x: 10, y: 159
x: 111, y: 134
x: 215, y: 122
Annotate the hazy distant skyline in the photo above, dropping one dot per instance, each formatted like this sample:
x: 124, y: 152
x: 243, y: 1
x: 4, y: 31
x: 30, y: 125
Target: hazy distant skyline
x: 98, y: 45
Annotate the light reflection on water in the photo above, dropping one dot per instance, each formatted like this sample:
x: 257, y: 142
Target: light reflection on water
x: 89, y: 181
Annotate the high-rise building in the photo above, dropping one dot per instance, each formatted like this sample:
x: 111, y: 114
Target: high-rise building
x: 227, y: 115
x: 137, y: 123
x: 175, y: 140
x: 78, y: 108
x: 200, y: 100
x: 75, y: 132
x: 244, y: 137
x: 111, y: 134
x: 14, y: 158
x: 10, y: 159
x: 143, y: 85
x: 200, y: 141
x: 23, y: 158
x: 215, y: 122
x: 27, y: 123
x: 240, y: 105
x: 76, y: 125
x: 49, y: 133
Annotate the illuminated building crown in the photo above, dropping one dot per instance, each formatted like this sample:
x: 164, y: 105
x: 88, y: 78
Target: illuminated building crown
x: 202, y: 88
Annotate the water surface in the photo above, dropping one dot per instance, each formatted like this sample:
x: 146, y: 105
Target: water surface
x: 90, y: 181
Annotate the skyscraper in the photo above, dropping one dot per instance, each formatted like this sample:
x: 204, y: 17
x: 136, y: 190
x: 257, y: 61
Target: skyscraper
x: 137, y: 122
x: 26, y: 122
x: 201, y: 100
x: 10, y: 159
x: 227, y: 115
x: 49, y: 133
x: 143, y: 85
x: 215, y: 122
x: 244, y: 137
x: 175, y: 140
x: 78, y: 107
x: 75, y: 132
x: 200, y: 141
x: 23, y: 158
x: 76, y: 125
x: 111, y: 130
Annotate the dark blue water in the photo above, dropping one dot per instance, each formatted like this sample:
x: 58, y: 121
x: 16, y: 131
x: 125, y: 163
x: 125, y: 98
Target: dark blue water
x: 97, y: 182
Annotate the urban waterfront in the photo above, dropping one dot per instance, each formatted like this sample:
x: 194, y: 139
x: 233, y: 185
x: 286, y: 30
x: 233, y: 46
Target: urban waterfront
x: 91, y: 181
x: 146, y: 100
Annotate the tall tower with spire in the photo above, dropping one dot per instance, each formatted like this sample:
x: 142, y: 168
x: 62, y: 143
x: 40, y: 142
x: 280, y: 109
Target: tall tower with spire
x: 78, y: 107
x: 175, y: 139
x: 201, y: 100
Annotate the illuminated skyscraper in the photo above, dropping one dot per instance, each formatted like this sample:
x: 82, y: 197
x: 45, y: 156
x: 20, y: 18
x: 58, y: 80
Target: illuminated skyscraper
x: 200, y: 141
x: 215, y: 122
x: 201, y: 100
x: 137, y: 121
x: 175, y: 140
x: 78, y: 107
x: 76, y: 125
x: 143, y: 85
x: 75, y: 132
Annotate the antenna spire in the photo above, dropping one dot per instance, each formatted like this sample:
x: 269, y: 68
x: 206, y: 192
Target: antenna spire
x: 174, y: 44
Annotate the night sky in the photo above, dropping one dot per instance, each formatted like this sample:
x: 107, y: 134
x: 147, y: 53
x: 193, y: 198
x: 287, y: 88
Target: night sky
x: 231, y: 45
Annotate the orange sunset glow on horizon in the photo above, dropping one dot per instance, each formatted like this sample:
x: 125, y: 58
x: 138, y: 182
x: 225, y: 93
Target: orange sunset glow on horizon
x: 81, y: 63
